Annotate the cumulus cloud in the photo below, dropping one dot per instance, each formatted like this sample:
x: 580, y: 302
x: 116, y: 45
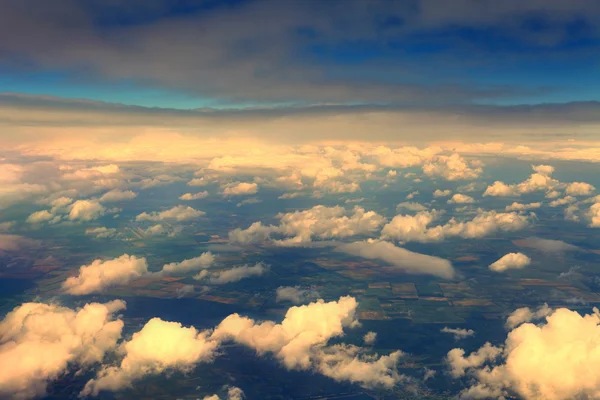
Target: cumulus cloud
x: 85, y: 210
x: 370, y: 338
x: 461, y: 199
x: 203, y: 261
x: 40, y: 342
x: 442, y: 193
x: 233, y: 393
x: 194, y: 196
x: 541, y: 179
x: 579, y: 189
x: 410, y: 206
x: 117, y: 195
x: 525, y: 314
x: 300, y: 342
x: 515, y: 206
x: 101, y: 232
x: 408, y: 228
x: 234, y: 274
x: 406, y: 260
x: 511, y: 261
x: 240, y: 189
x: 177, y: 213
x: 300, y: 227
x: 40, y: 216
x: 99, y: 275
x: 159, y: 346
x: 552, y: 360
x: 562, y: 202
x: 452, y: 168
x: 458, y: 333
x: 295, y: 294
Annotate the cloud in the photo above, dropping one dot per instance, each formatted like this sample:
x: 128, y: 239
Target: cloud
x: 408, y: 261
x: 547, y: 245
x: 452, y: 168
x: 40, y: 216
x: 116, y: 195
x: 541, y: 179
x: 461, y: 199
x: 40, y: 342
x: 85, y: 210
x: 16, y: 242
x: 234, y: 274
x: 233, y: 393
x: 177, y: 213
x: 510, y: 261
x: 410, y: 206
x: 159, y: 346
x: 100, y: 275
x: 552, y: 360
x: 240, y: 189
x: 458, y: 333
x: 295, y: 294
x: 300, y: 342
x: 370, y: 338
x: 203, y: 261
x: 525, y: 314
x: 300, y: 227
x: 194, y: 196
x: 101, y: 232
x: 515, y: 206
x: 579, y: 189
x: 561, y: 202
x: 409, y: 228
x: 442, y: 193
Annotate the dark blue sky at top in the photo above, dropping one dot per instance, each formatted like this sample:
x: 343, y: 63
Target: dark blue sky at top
x: 230, y: 53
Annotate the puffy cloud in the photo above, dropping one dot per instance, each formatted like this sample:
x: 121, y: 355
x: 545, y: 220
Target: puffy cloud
x: 99, y: 275
x: 541, y: 179
x: 40, y: 342
x: 525, y: 314
x: 101, y: 232
x: 40, y: 216
x: 194, y: 196
x: 442, y: 193
x: 452, y: 168
x: 300, y: 227
x: 511, y: 261
x: 203, y: 261
x: 579, y: 189
x: 117, y: 195
x: 412, y: 195
x: 198, y: 182
x: 561, y: 202
x: 240, y: 189
x: 234, y: 274
x: 370, y: 338
x: 515, y: 206
x: 408, y: 228
x: 458, y: 333
x: 177, y: 213
x: 459, y: 364
x: 410, y: 206
x: 554, y: 360
x: 86, y: 210
x: 159, y: 346
x: 593, y: 215
x: 406, y: 260
x: 233, y: 393
x: 295, y: 294
x: 461, y: 199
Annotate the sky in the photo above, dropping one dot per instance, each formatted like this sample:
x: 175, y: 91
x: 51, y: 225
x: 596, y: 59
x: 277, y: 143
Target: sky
x: 248, y: 57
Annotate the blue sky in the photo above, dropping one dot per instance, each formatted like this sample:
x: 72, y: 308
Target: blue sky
x: 223, y: 54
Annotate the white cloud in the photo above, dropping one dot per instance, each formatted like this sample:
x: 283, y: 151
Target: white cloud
x: 295, y: 294
x: 40, y: 216
x: 233, y: 393
x: 300, y: 227
x: 561, y: 202
x: 554, y: 360
x: 86, y: 210
x: 412, y: 195
x: 459, y: 333
x: 370, y: 338
x: 198, y: 182
x: 511, y: 261
x: 579, y: 189
x: 234, y: 274
x: 525, y: 314
x: 541, y: 179
x: 99, y: 275
x: 40, y: 342
x: 101, y: 232
x: 442, y: 193
x: 452, y: 168
x: 515, y: 206
x: 410, y: 206
x: 117, y: 195
x: 194, y: 196
x: 416, y: 227
x: 203, y: 261
x: 240, y: 189
x: 461, y: 199
x: 406, y: 260
x: 159, y: 346
x: 177, y: 213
